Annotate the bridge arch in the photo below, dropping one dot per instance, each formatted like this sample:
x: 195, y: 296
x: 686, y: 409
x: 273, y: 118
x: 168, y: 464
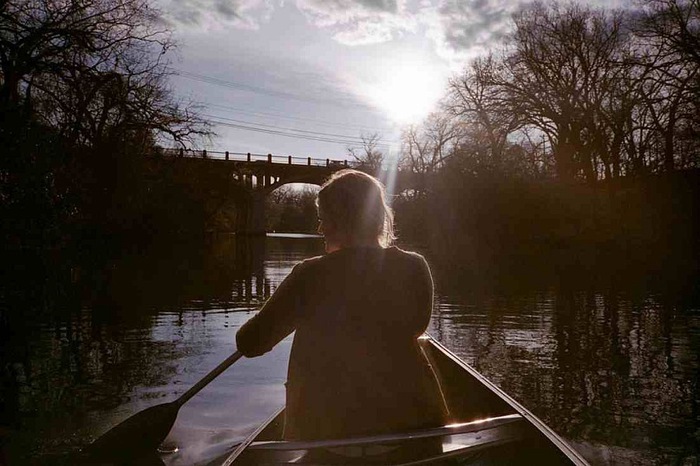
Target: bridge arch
x: 261, y: 179
x: 259, y: 175
x: 291, y: 208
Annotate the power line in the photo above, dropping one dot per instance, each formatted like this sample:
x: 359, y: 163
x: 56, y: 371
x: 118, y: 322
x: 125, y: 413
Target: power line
x: 296, y: 118
x: 296, y: 136
x: 265, y: 91
x: 310, y: 137
x: 275, y: 127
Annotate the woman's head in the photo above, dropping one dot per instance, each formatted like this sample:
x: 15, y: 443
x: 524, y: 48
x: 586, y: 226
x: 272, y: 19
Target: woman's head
x: 353, y: 211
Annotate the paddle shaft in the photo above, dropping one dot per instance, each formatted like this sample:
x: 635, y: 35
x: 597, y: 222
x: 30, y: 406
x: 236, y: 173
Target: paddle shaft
x: 207, y: 378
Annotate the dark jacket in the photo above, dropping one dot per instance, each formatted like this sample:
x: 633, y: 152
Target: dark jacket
x: 355, y: 367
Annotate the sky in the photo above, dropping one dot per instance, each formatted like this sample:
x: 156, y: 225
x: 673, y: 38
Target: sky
x: 309, y: 78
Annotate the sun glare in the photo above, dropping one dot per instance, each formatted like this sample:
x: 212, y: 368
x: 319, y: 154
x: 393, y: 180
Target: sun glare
x: 408, y: 92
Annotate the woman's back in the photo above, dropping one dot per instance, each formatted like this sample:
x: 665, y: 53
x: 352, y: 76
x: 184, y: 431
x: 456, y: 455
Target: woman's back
x: 355, y: 366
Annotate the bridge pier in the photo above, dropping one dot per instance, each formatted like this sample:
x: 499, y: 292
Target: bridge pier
x: 255, y: 223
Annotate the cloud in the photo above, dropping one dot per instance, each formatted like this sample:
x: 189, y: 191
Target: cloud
x: 477, y: 23
x: 459, y: 28
x: 467, y: 28
x: 454, y: 25
x: 243, y: 14
x: 462, y: 29
x: 357, y: 22
x: 351, y: 22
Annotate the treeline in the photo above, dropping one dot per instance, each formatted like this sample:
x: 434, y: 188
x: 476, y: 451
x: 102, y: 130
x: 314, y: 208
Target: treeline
x: 574, y: 93
x: 84, y: 99
x: 291, y: 209
x: 578, y: 135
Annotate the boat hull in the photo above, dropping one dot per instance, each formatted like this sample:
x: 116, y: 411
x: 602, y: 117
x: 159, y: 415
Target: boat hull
x: 486, y: 427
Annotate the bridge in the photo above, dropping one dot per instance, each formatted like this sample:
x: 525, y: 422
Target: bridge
x: 260, y: 174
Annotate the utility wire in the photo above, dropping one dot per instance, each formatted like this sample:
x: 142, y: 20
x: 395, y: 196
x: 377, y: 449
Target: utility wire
x: 280, y: 128
x: 296, y: 118
x: 310, y: 137
x: 261, y: 90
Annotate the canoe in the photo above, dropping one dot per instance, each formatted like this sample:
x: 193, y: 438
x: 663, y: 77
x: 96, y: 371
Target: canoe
x: 487, y: 427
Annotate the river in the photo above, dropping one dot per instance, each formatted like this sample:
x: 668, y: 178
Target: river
x: 615, y: 371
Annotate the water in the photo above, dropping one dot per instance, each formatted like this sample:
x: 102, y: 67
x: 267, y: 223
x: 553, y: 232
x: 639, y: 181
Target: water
x: 615, y: 372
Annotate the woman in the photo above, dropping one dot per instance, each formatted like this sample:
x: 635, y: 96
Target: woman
x: 355, y: 367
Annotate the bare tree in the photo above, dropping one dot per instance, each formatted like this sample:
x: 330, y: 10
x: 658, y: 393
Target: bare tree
x: 560, y: 70
x: 482, y: 110
x: 669, y: 36
x: 674, y: 25
x: 95, y: 70
x: 423, y: 148
x: 368, y: 155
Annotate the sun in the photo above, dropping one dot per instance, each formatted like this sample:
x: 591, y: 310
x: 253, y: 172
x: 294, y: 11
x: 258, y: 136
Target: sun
x: 407, y: 91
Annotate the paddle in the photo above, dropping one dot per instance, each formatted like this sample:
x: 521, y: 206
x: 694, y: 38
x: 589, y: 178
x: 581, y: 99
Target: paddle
x: 147, y: 429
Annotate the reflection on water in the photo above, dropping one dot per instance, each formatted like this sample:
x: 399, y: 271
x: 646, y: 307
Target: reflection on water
x: 617, y: 375
x: 86, y: 344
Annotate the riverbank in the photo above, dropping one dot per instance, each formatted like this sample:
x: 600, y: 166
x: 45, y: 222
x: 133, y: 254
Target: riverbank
x: 636, y: 227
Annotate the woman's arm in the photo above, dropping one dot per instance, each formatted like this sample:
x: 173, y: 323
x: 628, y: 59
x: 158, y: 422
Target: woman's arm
x: 277, y: 318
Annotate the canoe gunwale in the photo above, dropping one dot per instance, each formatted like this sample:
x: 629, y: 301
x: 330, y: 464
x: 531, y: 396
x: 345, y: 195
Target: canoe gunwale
x: 464, y: 428
x: 543, y: 428
x: 241, y: 447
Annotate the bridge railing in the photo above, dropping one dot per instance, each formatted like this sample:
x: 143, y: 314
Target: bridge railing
x: 259, y: 158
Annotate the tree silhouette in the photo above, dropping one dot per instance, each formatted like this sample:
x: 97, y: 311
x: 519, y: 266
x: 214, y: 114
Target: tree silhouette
x: 669, y: 35
x: 424, y: 148
x: 83, y: 98
x: 368, y: 155
x: 93, y: 70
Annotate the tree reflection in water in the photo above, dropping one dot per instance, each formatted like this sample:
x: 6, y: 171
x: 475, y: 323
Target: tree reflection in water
x: 86, y: 343
x: 616, y: 374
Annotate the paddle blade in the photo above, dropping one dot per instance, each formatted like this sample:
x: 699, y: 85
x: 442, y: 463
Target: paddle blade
x: 140, y: 433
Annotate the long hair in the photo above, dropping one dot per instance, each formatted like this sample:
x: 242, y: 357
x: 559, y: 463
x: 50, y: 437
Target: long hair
x: 355, y: 203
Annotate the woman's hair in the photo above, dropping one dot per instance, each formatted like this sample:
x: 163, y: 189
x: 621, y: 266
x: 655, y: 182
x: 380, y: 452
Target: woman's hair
x: 355, y: 203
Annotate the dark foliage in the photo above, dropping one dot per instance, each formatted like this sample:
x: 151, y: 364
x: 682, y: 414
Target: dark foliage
x: 83, y: 102
x: 638, y: 226
x: 292, y: 210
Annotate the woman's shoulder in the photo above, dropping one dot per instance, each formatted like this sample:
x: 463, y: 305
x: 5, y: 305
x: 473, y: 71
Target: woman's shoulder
x: 308, y: 263
x: 395, y: 255
x: 409, y: 256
